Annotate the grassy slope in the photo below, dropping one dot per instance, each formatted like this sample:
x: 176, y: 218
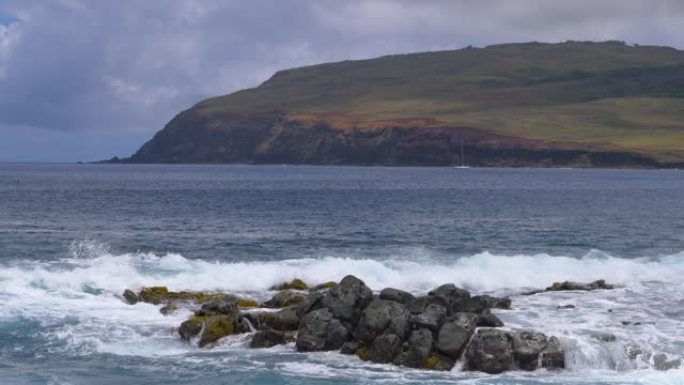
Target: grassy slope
x: 604, y: 94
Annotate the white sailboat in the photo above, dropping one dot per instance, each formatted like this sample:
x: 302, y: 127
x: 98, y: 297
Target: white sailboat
x: 462, y: 159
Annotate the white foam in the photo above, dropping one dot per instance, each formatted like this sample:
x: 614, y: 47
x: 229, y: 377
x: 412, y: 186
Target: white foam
x: 481, y: 272
x: 86, y: 287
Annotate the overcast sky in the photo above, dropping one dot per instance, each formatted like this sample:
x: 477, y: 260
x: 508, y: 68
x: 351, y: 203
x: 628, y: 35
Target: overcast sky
x: 88, y: 79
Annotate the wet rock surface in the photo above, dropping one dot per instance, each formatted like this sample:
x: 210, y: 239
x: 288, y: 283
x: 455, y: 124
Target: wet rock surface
x: 285, y: 298
x: 432, y: 331
x: 490, y: 351
x: 319, y: 331
x: 396, y: 295
x: 574, y: 286
x: 454, y: 334
x: 267, y: 337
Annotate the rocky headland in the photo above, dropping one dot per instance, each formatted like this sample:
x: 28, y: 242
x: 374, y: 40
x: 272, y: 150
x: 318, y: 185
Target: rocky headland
x: 572, y: 104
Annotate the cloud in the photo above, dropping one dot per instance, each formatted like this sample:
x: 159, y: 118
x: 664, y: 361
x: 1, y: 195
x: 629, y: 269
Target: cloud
x: 128, y: 66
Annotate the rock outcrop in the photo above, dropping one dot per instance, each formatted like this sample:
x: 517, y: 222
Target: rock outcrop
x: 574, y: 286
x: 431, y: 332
x: 428, y: 332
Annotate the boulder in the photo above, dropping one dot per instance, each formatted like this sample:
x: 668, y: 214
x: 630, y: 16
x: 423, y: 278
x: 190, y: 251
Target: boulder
x: 319, y: 331
x: 384, y: 348
x: 490, y: 351
x: 154, y: 295
x: 168, y: 309
x: 325, y: 285
x: 396, y: 295
x: 553, y: 355
x: 488, y: 319
x: 160, y: 294
x: 454, y: 334
x: 418, y: 349
x: 419, y: 304
x: 480, y: 303
x: 247, y: 303
x: 350, y: 347
x: 661, y: 362
x: 527, y: 347
x: 576, y: 286
x: 226, y: 307
x: 215, y: 328
x: 285, y: 298
x: 604, y: 337
x: 346, y: 300
x: 382, y: 316
x: 310, y: 302
x: 191, y: 328
x: 242, y: 325
x: 439, y: 362
x: 209, y: 328
x: 296, y: 284
x: 337, y: 335
x: 268, y: 337
x: 283, y: 320
x: 130, y: 297
x: 454, y: 299
x: 432, y: 317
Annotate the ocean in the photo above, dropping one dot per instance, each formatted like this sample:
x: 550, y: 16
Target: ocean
x: 74, y: 237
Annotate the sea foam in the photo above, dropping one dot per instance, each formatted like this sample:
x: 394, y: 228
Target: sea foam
x: 77, y: 299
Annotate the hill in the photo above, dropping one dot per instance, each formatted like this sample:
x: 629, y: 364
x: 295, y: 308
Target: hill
x: 529, y: 104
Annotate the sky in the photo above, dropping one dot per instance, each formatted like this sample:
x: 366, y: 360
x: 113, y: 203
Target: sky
x: 84, y: 80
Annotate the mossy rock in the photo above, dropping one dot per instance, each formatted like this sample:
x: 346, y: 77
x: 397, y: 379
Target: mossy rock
x: 168, y: 309
x: 215, y: 328
x: 293, y: 301
x: 191, y: 328
x: 154, y: 295
x: 247, y: 303
x: 201, y: 297
x: 362, y: 353
x: 439, y: 362
x: 432, y: 362
x: 160, y: 294
x: 325, y: 285
x: 130, y: 297
x: 296, y: 284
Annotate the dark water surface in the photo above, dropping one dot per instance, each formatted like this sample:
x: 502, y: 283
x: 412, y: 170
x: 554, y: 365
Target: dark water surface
x: 270, y: 213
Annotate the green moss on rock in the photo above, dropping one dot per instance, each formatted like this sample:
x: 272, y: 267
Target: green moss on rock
x: 432, y: 362
x: 362, y: 353
x: 154, y: 295
x: 296, y: 284
x: 215, y: 328
x: 247, y: 303
x: 161, y: 294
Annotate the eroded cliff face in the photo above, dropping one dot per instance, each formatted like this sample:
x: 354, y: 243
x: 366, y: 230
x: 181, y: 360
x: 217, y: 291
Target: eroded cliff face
x: 577, y: 104
x: 276, y: 138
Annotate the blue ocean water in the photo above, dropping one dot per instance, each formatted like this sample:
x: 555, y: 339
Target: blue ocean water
x: 73, y: 237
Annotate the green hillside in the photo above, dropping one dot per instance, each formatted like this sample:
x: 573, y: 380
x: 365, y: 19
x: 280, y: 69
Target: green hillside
x: 576, y: 95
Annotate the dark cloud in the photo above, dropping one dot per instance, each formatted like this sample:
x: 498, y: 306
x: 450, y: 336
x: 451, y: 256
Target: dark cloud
x: 121, y: 69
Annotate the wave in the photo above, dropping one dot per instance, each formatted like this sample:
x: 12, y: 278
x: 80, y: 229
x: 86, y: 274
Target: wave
x: 76, y: 300
x: 94, y: 268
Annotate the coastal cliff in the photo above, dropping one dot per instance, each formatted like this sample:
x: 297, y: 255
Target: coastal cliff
x: 576, y: 104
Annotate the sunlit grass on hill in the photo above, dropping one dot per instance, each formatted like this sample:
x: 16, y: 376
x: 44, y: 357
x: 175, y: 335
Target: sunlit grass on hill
x: 609, y: 95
